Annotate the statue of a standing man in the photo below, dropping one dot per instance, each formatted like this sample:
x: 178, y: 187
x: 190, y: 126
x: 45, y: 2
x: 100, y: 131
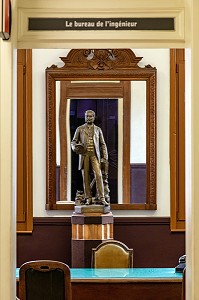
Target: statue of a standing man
x: 88, y: 142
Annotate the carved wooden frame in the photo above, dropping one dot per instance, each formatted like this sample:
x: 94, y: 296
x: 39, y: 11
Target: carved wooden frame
x: 102, y: 65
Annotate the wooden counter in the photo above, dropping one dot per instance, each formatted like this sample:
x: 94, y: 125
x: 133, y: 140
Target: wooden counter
x: 125, y: 284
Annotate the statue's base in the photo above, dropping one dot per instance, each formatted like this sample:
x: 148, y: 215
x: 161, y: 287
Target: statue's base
x: 94, y: 208
x: 91, y: 224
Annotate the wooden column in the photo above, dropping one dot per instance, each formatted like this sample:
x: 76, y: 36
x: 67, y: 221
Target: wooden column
x: 88, y: 230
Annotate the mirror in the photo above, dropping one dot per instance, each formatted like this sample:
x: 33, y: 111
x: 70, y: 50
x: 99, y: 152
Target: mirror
x: 104, y: 79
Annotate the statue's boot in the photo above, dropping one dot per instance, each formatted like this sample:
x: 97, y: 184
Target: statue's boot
x: 103, y: 201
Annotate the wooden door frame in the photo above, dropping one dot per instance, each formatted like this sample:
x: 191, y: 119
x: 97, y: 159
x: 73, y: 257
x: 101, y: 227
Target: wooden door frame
x: 177, y: 139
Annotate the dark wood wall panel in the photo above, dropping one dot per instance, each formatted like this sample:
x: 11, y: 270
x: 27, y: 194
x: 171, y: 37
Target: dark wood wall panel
x: 153, y: 243
x: 50, y: 239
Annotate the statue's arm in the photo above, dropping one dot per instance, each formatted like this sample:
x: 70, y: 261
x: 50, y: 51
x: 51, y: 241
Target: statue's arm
x: 103, y: 146
x: 75, y: 139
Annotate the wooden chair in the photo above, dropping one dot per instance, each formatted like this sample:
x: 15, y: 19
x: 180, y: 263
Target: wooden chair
x: 44, y: 279
x: 112, y: 254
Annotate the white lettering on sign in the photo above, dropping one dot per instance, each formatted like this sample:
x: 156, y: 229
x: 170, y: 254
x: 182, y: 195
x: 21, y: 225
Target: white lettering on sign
x: 120, y: 24
x: 100, y: 24
x: 69, y: 24
x: 84, y: 24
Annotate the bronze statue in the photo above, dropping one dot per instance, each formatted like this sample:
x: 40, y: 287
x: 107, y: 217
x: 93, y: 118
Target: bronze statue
x: 88, y: 142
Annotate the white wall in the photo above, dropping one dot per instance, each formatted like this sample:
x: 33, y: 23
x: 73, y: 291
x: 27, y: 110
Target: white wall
x: 7, y: 173
x: 43, y: 58
x: 138, y: 122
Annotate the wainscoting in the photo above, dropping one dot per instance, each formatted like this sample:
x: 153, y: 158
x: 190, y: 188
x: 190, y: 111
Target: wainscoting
x: 153, y: 243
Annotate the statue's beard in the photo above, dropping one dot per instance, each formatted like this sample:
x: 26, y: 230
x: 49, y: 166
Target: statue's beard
x: 89, y: 122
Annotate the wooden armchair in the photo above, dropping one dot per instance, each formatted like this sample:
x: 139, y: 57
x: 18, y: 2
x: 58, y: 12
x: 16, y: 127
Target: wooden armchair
x: 44, y: 279
x: 112, y: 254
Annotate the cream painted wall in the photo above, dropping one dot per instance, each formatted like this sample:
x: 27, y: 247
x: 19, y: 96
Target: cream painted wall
x: 138, y: 122
x: 98, y: 9
x: 7, y: 176
x: 188, y: 37
x: 43, y: 58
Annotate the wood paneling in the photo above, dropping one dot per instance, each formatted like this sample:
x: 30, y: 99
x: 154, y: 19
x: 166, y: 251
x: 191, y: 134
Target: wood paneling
x: 24, y: 141
x: 154, y: 245
x: 127, y: 291
x: 177, y: 138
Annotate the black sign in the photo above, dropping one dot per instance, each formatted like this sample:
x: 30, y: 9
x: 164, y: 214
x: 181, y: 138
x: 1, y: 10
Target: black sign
x: 101, y: 24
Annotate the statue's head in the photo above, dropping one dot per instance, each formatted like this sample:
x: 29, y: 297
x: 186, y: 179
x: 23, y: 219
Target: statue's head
x: 89, y: 116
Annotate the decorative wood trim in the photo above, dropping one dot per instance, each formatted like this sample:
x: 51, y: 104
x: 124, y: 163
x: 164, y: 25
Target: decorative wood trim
x: 141, y: 221
x: 102, y: 64
x: 63, y: 140
x: 52, y: 221
x: 177, y: 139
x: 63, y: 206
x: 101, y: 59
x: 126, y: 142
x: 66, y: 221
x: 24, y: 141
x: 151, y: 138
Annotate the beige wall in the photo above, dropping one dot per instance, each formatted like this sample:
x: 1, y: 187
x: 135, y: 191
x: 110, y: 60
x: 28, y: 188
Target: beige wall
x: 158, y: 58
x: 192, y: 203
x: 7, y: 199
x: 99, y: 9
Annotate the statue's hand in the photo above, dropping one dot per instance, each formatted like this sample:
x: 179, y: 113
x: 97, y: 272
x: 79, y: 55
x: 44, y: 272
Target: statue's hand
x: 79, y: 149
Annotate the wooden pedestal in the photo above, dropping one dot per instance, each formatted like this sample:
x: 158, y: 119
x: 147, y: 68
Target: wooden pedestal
x: 89, y: 229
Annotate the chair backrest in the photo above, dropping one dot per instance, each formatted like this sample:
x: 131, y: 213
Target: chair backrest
x: 112, y: 254
x: 44, y: 279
